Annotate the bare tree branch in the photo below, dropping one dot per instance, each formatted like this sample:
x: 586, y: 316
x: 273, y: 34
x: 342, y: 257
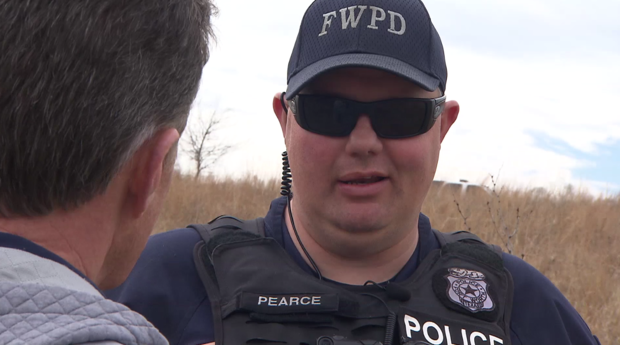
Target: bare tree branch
x: 501, y: 227
x: 201, y: 147
x: 458, y: 207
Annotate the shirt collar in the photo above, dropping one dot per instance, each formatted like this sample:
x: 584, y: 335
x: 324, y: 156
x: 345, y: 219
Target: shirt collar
x: 274, y: 220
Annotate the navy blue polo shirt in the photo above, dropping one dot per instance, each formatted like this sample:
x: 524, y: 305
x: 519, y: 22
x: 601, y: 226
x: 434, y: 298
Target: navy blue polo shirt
x: 20, y: 243
x: 165, y: 288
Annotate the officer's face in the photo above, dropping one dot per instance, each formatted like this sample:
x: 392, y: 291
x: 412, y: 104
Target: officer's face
x: 362, y: 191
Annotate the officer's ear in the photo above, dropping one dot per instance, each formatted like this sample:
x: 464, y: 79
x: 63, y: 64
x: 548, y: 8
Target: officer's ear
x: 448, y: 117
x: 280, y: 109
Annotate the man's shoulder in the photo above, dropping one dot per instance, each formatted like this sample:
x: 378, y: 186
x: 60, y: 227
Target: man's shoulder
x: 541, y: 314
x: 169, y: 242
x: 35, y: 313
x: 164, y: 286
x: 167, y: 254
x: 522, y: 271
x: 527, y: 278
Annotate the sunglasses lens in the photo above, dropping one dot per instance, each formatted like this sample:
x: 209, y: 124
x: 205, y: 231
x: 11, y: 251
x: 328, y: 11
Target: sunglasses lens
x: 333, y: 116
x: 327, y: 115
x: 399, y: 118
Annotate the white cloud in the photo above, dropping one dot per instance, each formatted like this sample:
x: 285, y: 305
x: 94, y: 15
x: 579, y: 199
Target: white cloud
x: 554, y: 86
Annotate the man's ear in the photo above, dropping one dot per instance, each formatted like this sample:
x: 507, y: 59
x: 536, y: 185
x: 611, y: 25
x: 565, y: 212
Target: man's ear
x: 148, y: 166
x: 448, y: 117
x: 281, y: 112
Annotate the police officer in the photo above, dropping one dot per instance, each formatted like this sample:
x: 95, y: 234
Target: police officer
x: 346, y: 257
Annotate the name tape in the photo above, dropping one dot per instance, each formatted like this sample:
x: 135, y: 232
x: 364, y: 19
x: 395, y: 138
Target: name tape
x: 289, y: 303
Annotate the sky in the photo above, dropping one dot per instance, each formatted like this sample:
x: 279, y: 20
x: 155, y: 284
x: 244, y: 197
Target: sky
x: 538, y: 82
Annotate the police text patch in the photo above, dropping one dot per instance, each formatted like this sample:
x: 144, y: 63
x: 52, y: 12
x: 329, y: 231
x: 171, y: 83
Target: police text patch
x: 427, y: 329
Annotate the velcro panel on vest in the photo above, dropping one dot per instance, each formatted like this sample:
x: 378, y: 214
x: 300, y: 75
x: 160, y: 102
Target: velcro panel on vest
x: 292, y: 318
x: 266, y: 327
x: 231, y: 236
x: 474, y: 291
x: 476, y: 251
x: 237, y: 256
x: 289, y: 305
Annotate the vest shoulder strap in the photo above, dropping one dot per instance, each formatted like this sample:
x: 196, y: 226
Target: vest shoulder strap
x: 229, y: 223
x: 462, y: 236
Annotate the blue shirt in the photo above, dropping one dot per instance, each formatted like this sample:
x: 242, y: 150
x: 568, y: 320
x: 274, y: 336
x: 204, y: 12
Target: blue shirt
x: 165, y: 288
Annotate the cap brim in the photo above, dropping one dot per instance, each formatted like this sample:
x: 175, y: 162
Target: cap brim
x: 303, y: 77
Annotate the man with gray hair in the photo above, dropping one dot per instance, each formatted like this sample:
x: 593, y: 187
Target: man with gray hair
x: 93, y: 98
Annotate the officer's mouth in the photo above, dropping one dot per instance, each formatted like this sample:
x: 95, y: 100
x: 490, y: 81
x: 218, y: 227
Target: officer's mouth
x: 362, y: 179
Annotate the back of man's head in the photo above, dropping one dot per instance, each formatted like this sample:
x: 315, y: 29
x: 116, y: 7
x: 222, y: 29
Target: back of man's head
x: 83, y: 84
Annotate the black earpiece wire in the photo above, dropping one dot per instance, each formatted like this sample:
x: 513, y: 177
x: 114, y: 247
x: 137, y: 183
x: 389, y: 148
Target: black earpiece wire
x: 390, y: 323
x: 285, y: 190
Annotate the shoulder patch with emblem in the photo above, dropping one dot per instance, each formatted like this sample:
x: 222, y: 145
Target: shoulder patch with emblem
x: 469, y: 289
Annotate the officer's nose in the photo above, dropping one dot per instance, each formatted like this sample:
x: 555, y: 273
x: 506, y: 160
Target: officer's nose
x: 363, y: 140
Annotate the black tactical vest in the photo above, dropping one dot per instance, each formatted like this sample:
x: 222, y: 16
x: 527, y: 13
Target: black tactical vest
x: 460, y: 294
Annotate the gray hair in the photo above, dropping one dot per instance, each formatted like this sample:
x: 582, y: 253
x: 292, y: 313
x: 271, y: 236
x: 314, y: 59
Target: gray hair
x: 83, y: 84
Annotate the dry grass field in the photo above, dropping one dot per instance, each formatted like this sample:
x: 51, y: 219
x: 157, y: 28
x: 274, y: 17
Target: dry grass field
x: 570, y: 237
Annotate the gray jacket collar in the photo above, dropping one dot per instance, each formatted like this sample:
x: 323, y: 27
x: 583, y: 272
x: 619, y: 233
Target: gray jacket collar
x: 43, y: 302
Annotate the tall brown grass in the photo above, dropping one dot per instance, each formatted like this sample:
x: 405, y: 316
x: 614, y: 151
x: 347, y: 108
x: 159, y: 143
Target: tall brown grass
x: 571, y: 237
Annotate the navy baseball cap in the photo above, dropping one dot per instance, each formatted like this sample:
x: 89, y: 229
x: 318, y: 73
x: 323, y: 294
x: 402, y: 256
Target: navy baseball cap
x: 391, y: 35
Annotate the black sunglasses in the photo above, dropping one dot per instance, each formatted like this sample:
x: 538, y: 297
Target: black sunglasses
x: 392, y: 119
